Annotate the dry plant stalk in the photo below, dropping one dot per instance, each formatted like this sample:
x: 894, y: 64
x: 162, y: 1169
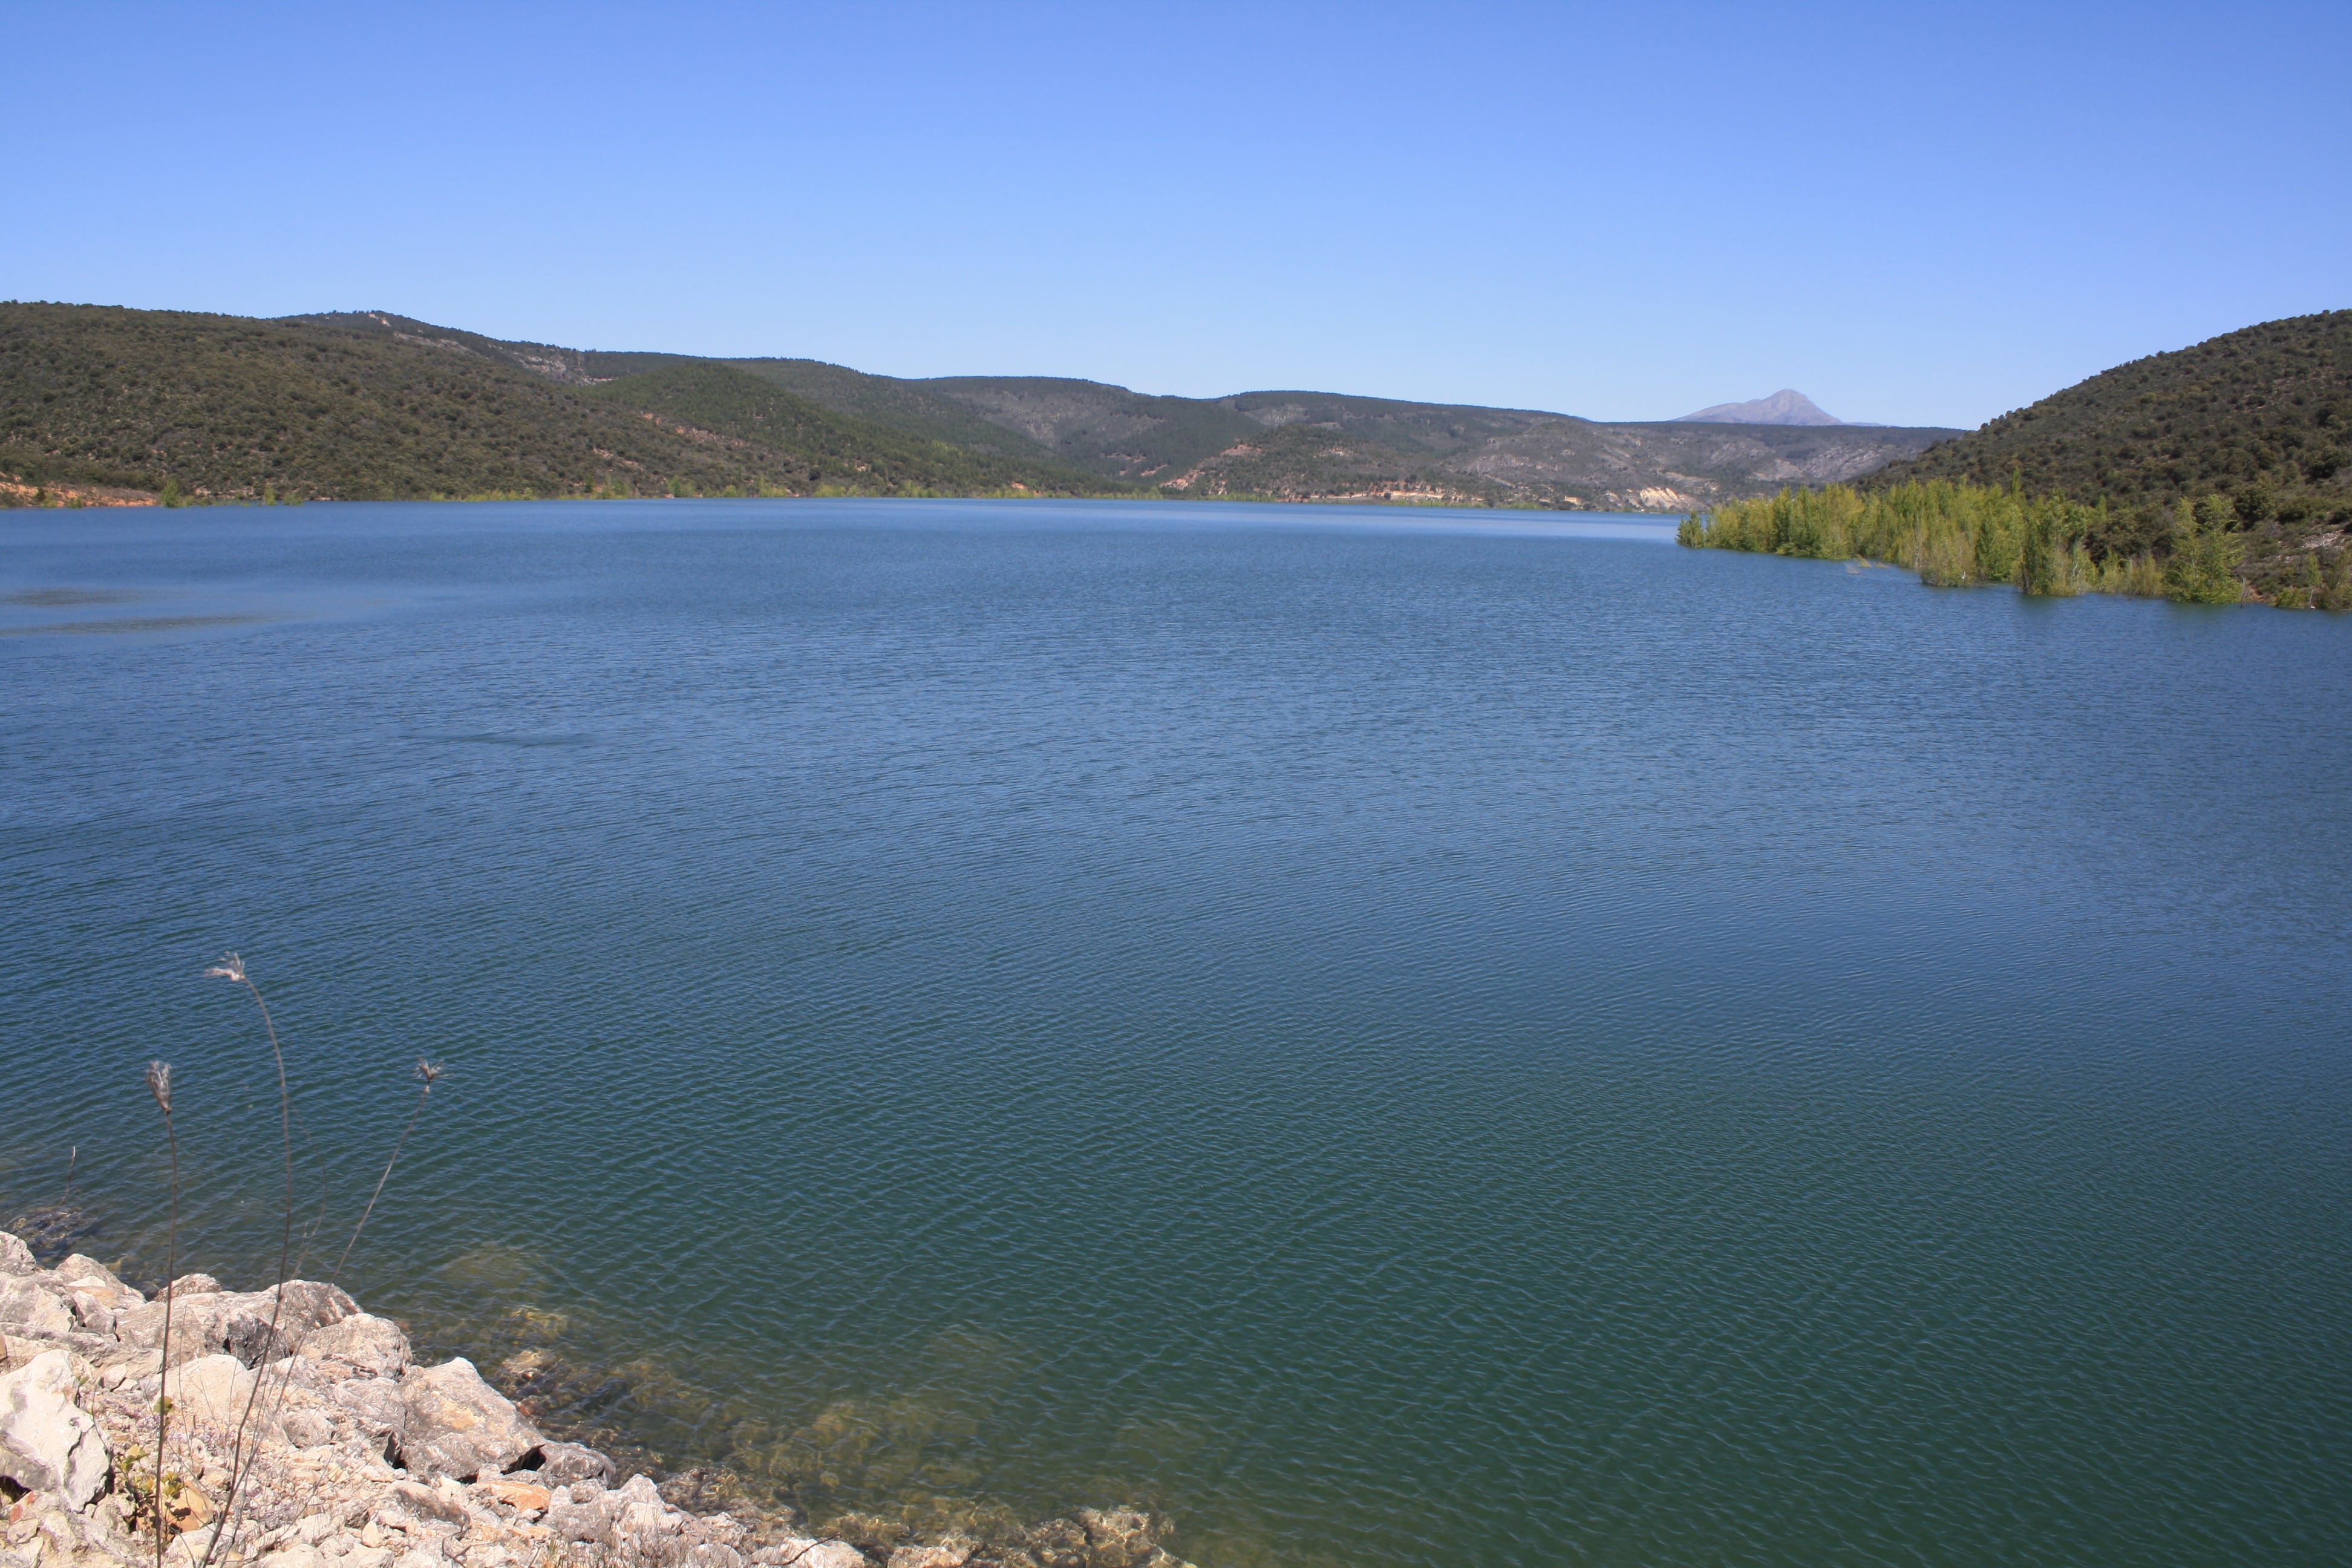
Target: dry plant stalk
x: 427, y: 1071
x: 242, y: 1460
x: 232, y: 968
x: 159, y: 1084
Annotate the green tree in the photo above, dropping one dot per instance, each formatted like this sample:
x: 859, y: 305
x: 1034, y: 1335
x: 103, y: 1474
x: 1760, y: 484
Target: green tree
x: 2040, y: 569
x: 2203, y: 554
x: 1995, y: 550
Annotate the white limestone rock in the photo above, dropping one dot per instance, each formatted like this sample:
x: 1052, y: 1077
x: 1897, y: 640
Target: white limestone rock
x: 802, y: 1551
x: 48, y: 1442
x: 210, y: 1389
x: 456, y: 1424
x: 362, y: 1342
x: 212, y: 1323
x: 32, y: 1306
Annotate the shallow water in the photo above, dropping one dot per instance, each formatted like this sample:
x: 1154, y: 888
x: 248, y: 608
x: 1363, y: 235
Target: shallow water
x: 1403, y: 1039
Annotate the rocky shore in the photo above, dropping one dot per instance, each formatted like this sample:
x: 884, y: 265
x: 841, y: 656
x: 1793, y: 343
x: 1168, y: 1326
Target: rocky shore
x: 353, y: 1456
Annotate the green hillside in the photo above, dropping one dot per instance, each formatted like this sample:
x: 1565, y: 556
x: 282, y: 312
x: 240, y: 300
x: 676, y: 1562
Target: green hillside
x: 829, y: 452
x: 2262, y: 416
x: 1315, y: 462
x: 356, y: 407
x: 368, y: 403
x: 2208, y: 474
x: 907, y: 406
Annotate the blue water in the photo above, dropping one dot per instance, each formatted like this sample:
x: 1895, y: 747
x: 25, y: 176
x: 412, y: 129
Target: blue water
x: 1398, y: 1038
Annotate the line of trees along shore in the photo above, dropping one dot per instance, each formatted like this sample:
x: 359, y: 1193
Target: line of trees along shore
x: 1955, y: 533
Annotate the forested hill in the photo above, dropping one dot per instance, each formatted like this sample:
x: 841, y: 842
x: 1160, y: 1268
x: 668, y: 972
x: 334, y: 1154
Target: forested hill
x: 2261, y: 415
x: 226, y: 406
x: 370, y: 404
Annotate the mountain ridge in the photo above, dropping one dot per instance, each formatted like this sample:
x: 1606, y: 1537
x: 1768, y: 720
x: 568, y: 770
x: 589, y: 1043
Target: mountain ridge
x: 372, y: 404
x: 1786, y: 406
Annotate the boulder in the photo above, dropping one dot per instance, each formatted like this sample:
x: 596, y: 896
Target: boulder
x: 363, y: 1342
x: 457, y: 1425
x: 47, y: 1443
x: 211, y: 1390
x: 428, y: 1502
x: 1122, y: 1538
x: 563, y: 1463
x: 800, y: 1551
x: 309, y: 1306
x: 1058, y: 1543
x: 954, y: 1556
x: 376, y: 1404
x: 210, y: 1322
x: 576, y: 1520
x: 32, y: 1307
x: 190, y: 1548
x: 307, y: 1428
x: 94, y: 1294
x: 15, y: 1350
x: 524, y: 1497
x: 16, y: 1257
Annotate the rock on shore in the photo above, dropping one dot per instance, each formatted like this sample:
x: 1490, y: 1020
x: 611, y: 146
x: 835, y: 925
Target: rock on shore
x: 355, y: 1455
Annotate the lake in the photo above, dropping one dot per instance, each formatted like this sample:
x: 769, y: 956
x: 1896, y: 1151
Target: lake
x: 1399, y: 1037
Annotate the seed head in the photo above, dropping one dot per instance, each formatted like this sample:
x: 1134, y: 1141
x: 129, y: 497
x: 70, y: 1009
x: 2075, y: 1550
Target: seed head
x: 159, y: 1084
x: 428, y: 1071
x: 230, y: 967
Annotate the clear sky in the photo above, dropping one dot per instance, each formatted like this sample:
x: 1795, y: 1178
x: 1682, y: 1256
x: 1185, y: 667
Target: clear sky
x: 1915, y: 214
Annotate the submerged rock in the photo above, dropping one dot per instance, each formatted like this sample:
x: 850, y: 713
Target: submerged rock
x: 561, y: 1463
x: 1122, y: 1538
x: 50, y: 1231
x: 802, y: 1551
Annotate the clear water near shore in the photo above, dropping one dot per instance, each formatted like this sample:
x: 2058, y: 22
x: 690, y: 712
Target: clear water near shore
x: 1404, y: 1038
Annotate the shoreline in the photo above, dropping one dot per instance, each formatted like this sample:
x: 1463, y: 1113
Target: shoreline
x: 301, y: 1432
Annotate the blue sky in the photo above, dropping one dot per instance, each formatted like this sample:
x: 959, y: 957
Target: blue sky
x: 1914, y: 213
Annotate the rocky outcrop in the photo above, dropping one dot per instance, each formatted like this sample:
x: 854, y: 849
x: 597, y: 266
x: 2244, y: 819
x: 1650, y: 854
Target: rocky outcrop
x: 353, y: 1456
x: 452, y: 1424
x: 48, y: 1442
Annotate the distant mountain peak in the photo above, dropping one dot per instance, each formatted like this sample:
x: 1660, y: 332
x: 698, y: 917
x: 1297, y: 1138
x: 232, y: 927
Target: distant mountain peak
x: 1786, y: 406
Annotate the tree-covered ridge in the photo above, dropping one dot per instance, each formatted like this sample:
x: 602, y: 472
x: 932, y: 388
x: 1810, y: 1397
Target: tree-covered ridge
x: 1318, y: 462
x: 910, y: 407
x: 1955, y: 533
x: 2263, y: 415
x: 371, y: 403
x: 713, y: 402
x: 226, y: 407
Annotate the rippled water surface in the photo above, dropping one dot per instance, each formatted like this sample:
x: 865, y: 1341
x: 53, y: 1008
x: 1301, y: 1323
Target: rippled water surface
x: 1401, y: 1038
